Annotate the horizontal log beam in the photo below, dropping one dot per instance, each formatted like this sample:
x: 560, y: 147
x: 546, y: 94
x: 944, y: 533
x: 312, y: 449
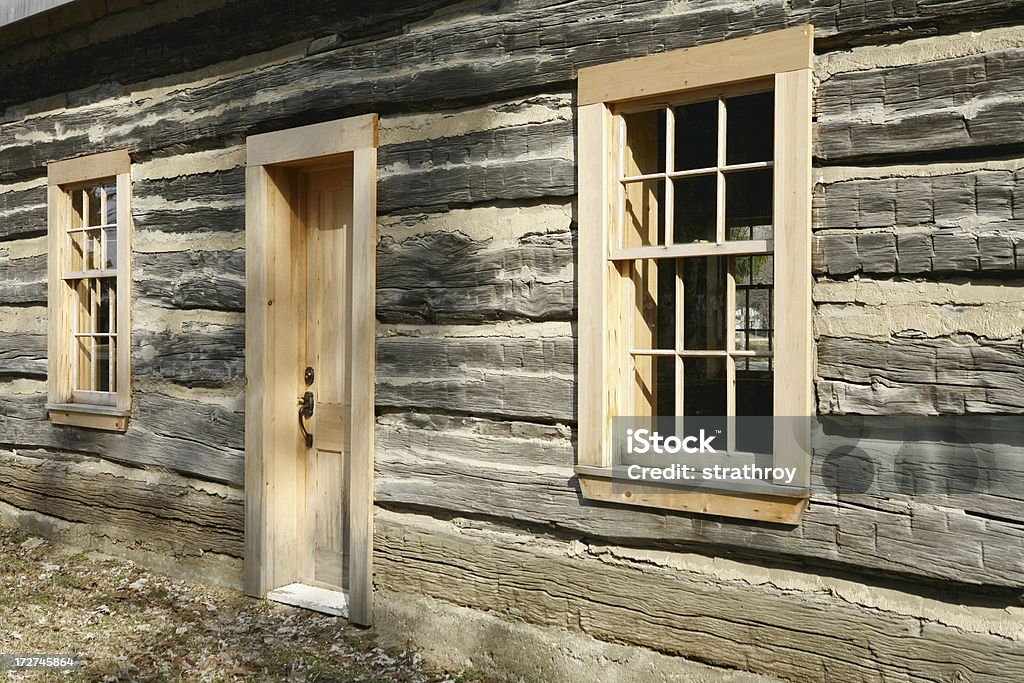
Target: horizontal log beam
x: 866, y: 536
x: 78, y: 490
x: 652, y: 601
x: 449, y: 277
x: 201, y: 440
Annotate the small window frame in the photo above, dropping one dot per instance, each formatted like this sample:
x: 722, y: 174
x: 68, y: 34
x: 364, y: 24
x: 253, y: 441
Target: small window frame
x: 784, y: 60
x: 95, y: 410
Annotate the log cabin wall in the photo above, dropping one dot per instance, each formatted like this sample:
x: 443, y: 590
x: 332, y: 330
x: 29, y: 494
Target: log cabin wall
x: 919, y: 168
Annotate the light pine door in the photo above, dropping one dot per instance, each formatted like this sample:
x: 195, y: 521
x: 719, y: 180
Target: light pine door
x: 328, y: 219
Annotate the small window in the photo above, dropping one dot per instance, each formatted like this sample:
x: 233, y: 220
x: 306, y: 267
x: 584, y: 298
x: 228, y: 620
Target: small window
x: 89, y: 291
x: 694, y: 232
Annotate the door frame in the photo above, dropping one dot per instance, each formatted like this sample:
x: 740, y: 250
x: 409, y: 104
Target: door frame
x: 275, y: 482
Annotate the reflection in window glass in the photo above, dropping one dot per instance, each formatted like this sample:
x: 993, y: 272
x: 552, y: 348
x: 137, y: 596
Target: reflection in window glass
x: 654, y: 291
x: 654, y: 380
x: 704, y: 292
x: 645, y: 143
x: 696, y: 135
x: 644, y: 213
x: 748, y: 205
x: 695, y: 209
x: 750, y: 128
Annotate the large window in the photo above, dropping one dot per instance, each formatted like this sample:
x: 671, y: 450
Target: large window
x: 694, y: 220
x: 89, y: 281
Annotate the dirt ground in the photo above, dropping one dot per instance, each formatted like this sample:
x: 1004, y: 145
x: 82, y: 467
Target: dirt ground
x: 129, y: 624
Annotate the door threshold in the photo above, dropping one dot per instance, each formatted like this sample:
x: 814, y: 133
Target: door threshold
x: 314, y: 598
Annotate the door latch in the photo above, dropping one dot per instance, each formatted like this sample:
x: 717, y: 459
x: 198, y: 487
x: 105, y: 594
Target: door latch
x: 306, y: 412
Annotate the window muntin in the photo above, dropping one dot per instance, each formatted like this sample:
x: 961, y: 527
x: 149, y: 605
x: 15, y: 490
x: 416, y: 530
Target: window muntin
x: 92, y: 276
x: 711, y: 244
x: 697, y: 174
x: 89, y: 291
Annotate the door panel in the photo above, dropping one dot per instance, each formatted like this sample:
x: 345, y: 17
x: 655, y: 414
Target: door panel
x: 328, y: 215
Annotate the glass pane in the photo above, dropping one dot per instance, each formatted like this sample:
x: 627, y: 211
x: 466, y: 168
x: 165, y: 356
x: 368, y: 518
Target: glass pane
x: 111, y: 216
x: 645, y: 142
x: 704, y: 387
x: 754, y: 309
x: 696, y: 204
x: 654, y: 386
x: 654, y: 305
x: 84, y: 360
x: 704, y: 292
x: 110, y: 262
x: 755, y: 270
x: 750, y: 127
x: 95, y: 197
x: 102, y: 371
x: 86, y: 305
x: 105, y: 307
x: 644, y: 213
x: 748, y: 205
x: 77, y: 209
x: 76, y: 251
x: 112, y: 382
x: 754, y: 393
x: 696, y: 135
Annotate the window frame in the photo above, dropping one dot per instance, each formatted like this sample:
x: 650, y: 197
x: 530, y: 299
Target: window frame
x: 111, y: 410
x: 784, y: 58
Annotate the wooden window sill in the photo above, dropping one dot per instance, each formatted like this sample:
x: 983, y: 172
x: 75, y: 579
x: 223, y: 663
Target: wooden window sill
x: 777, y: 504
x: 107, y: 418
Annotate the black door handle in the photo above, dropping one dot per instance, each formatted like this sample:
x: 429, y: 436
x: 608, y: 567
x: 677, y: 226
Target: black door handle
x: 306, y: 412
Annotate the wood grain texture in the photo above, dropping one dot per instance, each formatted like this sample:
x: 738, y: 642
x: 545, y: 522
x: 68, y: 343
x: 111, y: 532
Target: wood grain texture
x: 946, y: 106
x: 349, y: 81
x: 872, y: 537
x: 213, y: 280
x: 23, y: 213
x: 951, y: 375
x: 208, y: 358
x: 196, y: 439
x: 78, y: 490
x: 23, y: 281
x: 756, y: 626
x: 449, y: 277
x: 503, y: 376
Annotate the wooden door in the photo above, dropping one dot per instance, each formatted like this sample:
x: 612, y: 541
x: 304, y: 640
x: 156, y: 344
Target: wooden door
x: 310, y: 243
x: 328, y: 221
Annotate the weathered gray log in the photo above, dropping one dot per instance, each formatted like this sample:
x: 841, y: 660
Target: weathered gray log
x: 864, y: 535
x: 210, y: 357
x: 988, y: 199
x: 535, y: 49
x: 509, y: 442
x: 943, y: 107
x: 952, y: 375
x: 218, y: 186
x: 517, y: 162
x: 23, y: 281
x: 193, y: 219
x: 925, y: 253
x: 507, y: 376
x: 205, y: 33
x: 213, y: 280
x: 196, y: 439
x: 478, y: 167
x: 22, y: 355
x: 446, y: 277
x: 206, y: 358
x: 23, y: 213
x: 174, y: 513
x: 755, y: 626
x: 421, y: 357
